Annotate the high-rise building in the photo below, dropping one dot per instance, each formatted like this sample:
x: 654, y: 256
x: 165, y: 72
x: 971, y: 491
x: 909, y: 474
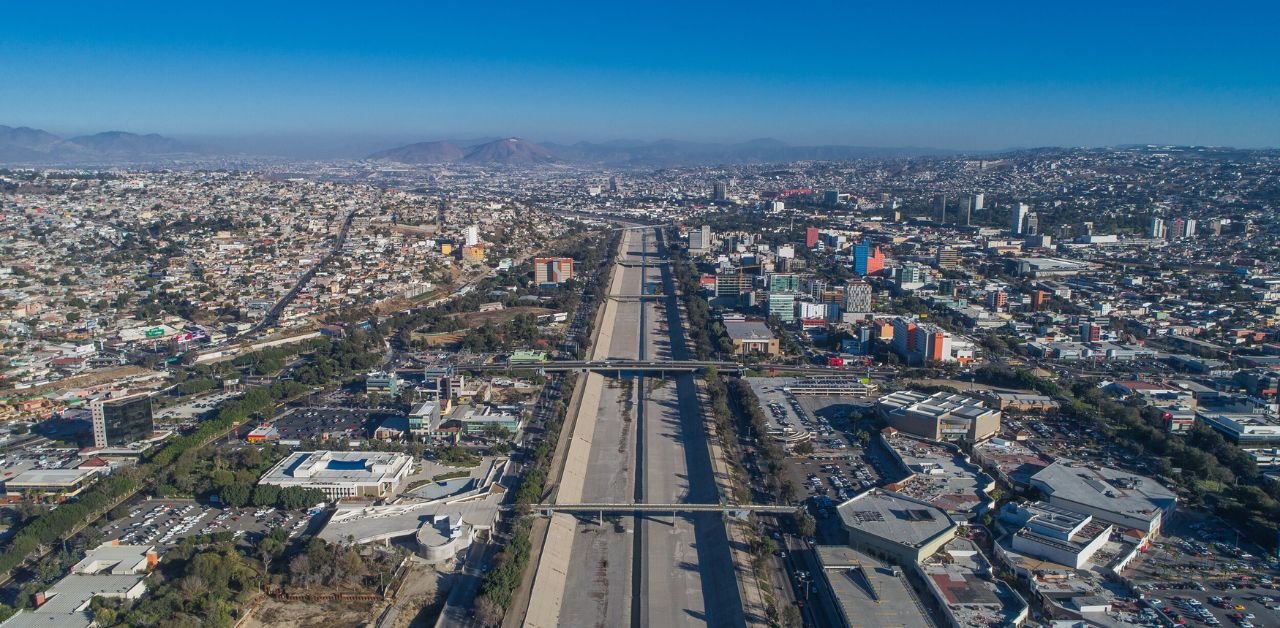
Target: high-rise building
x: 119, y: 421
x: 1086, y: 228
x: 921, y: 343
x: 782, y: 305
x: 1178, y: 228
x: 857, y: 297
x: 810, y: 237
x: 831, y: 197
x: 733, y: 284
x: 782, y: 282
x: 978, y: 200
x: 867, y: 259
x: 1019, y: 217
x: 1157, y: 228
x: 1031, y: 224
x: 997, y: 300
x: 1189, y: 228
x: 720, y: 191
x: 968, y: 210
x: 613, y: 185
x: 552, y: 271
x: 946, y: 257
x: 1038, y: 298
x: 473, y: 235
x: 700, y: 239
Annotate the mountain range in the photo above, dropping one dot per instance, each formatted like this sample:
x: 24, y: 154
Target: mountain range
x: 27, y: 145
x: 633, y: 153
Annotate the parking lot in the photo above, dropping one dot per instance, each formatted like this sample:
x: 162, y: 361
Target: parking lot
x: 1197, y: 573
x: 165, y: 523
x: 187, y: 411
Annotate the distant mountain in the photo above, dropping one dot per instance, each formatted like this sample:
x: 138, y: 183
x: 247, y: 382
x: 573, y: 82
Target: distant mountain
x: 422, y: 153
x: 121, y: 143
x: 511, y: 151
x: 23, y: 144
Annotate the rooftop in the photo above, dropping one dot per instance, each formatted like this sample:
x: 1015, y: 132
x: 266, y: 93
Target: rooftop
x: 748, y: 330
x: 869, y: 592
x: 1105, y: 488
x: 894, y: 517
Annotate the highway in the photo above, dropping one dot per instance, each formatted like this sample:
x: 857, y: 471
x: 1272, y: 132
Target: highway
x: 637, y: 440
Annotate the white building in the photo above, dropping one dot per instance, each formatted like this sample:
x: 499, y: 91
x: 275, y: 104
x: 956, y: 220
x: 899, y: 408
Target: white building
x: 369, y: 474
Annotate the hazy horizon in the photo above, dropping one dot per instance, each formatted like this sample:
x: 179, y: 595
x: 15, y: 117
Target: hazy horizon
x: 983, y: 78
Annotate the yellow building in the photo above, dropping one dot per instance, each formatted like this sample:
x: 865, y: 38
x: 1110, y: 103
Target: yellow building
x: 446, y: 249
x: 473, y: 253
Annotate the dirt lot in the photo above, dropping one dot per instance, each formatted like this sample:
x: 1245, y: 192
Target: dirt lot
x: 273, y: 613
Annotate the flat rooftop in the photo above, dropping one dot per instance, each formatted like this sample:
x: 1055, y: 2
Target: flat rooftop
x: 966, y: 586
x: 748, y: 330
x: 869, y: 592
x: 894, y: 517
x: 338, y: 466
x: 942, y: 477
x: 1105, y: 488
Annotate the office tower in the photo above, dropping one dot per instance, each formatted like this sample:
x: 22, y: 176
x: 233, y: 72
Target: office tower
x: 942, y: 209
x: 1019, y: 217
x: 613, y: 185
x: 782, y: 282
x: 810, y: 237
x: 831, y: 197
x: 700, y: 239
x: 867, y: 259
x: 997, y: 300
x: 782, y: 305
x: 1157, y: 228
x: 552, y: 271
x: 968, y: 210
x: 857, y: 297
x: 473, y: 235
x: 1086, y: 228
x: 734, y: 283
x: 119, y: 421
x: 978, y: 200
x: 1031, y: 224
x: 720, y: 191
x: 947, y: 257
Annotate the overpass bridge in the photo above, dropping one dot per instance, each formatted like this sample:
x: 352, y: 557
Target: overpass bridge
x: 649, y: 366
x: 603, y: 509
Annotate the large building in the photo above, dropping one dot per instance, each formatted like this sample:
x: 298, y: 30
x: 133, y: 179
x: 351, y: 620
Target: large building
x: 893, y: 527
x: 857, y: 297
x: 1055, y: 534
x: 921, y: 343
x: 552, y: 271
x: 751, y: 337
x: 782, y: 305
x: 867, y: 259
x: 109, y: 571
x: 939, y: 416
x: 1108, y: 494
x: 119, y: 421
x: 1243, y: 428
x: 366, y: 474
x: 1020, y: 212
x: 733, y: 284
x: 700, y: 239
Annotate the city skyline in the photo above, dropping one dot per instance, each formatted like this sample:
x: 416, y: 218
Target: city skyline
x: 991, y: 78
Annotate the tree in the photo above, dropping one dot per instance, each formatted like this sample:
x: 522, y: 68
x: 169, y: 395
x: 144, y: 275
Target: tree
x: 235, y: 495
x: 803, y: 449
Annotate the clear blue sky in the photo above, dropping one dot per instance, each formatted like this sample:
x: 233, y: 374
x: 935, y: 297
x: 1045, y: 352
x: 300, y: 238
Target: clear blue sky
x: 954, y: 75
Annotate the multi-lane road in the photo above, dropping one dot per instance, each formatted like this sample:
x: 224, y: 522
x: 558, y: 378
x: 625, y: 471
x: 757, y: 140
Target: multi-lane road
x: 640, y: 439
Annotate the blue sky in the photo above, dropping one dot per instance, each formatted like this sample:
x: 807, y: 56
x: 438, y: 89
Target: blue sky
x: 953, y: 75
